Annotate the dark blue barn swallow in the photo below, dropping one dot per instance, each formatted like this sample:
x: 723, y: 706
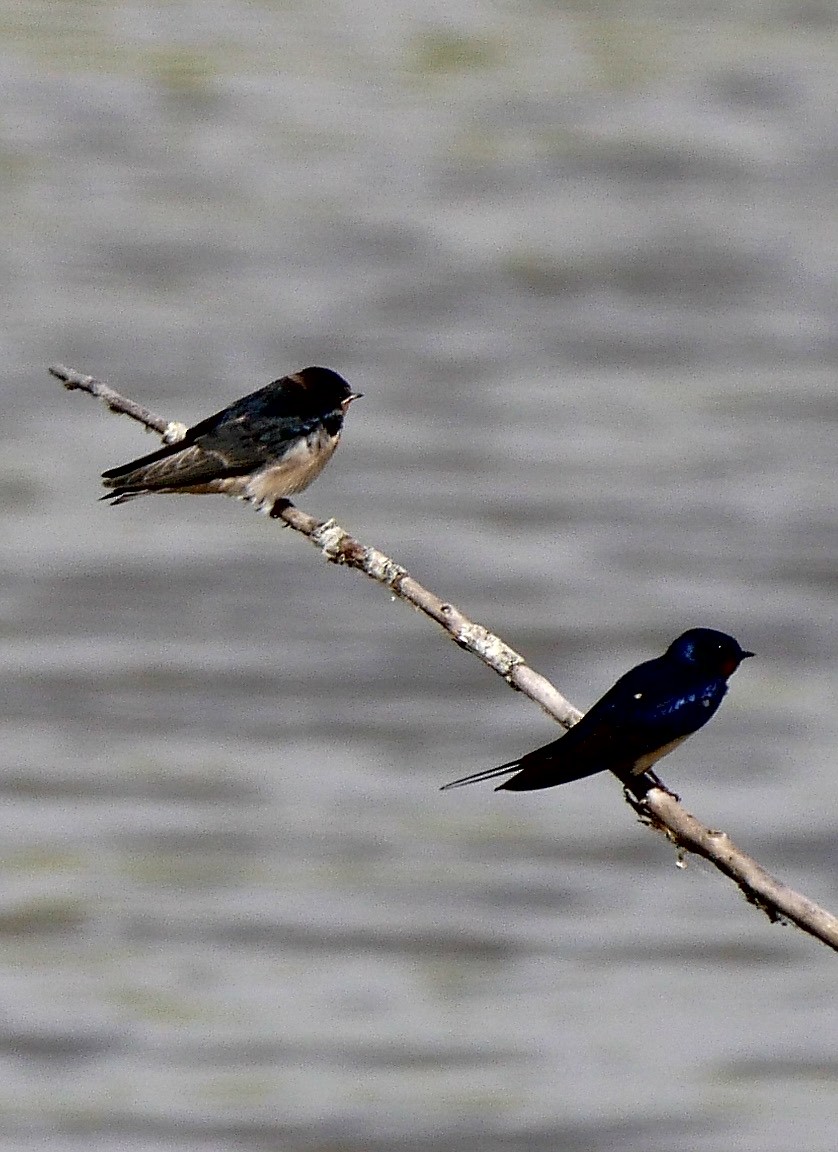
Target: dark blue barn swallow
x: 263, y: 448
x: 646, y: 715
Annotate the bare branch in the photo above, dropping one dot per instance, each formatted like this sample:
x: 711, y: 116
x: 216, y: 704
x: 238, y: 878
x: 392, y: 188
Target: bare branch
x: 341, y: 548
x: 170, y: 430
x: 663, y: 811
x: 655, y: 807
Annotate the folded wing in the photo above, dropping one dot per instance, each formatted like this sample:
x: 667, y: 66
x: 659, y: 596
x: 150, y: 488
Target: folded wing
x: 647, y: 713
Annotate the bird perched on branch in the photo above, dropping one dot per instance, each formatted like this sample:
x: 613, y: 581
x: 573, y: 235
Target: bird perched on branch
x: 646, y: 715
x: 263, y: 448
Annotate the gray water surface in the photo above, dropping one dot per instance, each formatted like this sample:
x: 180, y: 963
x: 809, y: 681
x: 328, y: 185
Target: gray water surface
x: 582, y: 261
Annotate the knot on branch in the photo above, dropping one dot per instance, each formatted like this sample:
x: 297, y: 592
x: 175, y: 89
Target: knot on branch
x: 488, y: 647
x: 329, y: 537
x: 341, y: 548
x: 174, y: 431
x: 382, y: 568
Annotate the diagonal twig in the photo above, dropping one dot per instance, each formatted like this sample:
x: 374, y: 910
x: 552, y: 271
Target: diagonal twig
x: 170, y: 430
x: 656, y: 807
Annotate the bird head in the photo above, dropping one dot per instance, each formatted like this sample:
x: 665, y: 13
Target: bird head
x: 708, y: 650
x: 325, y: 388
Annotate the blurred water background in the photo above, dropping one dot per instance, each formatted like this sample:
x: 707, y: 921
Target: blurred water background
x: 582, y: 259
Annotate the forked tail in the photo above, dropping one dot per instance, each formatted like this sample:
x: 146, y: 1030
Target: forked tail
x: 487, y: 774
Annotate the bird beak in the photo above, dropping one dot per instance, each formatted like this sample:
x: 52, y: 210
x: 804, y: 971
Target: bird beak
x: 352, y: 396
x: 745, y: 655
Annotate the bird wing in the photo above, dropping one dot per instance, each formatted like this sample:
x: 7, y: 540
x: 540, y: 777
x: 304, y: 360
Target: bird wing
x: 588, y: 747
x: 218, y: 447
x: 604, y: 742
x: 646, y: 711
x: 163, y: 453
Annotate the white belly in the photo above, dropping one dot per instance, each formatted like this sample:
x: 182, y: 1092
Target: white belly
x: 643, y: 763
x: 294, y: 472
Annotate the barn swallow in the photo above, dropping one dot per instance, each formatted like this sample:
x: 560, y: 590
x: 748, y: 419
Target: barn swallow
x: 645, y: 716
x: 263, y: 448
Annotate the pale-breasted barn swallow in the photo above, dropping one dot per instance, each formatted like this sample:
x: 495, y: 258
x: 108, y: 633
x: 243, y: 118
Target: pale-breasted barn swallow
x: 644, y: 716
x: 263, y: 448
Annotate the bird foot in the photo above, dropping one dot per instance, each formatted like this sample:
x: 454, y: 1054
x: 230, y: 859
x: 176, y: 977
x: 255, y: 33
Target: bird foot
x: 279, y: 507
x: 640, y: 785
x: 658, y: 783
